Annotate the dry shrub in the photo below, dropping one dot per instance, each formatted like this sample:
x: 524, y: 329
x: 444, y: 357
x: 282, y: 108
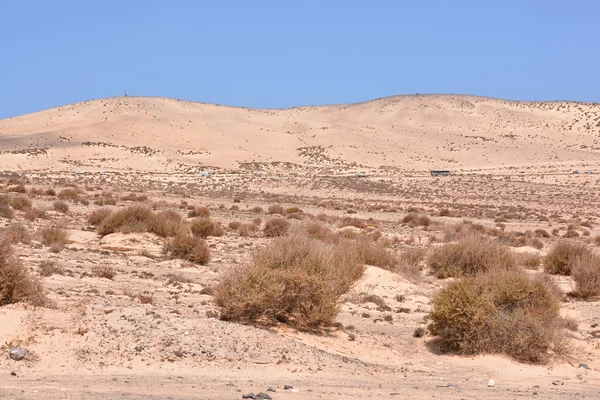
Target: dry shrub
x: 16, y: 233
x: 502, y: 312
x: 276, y: 227
x: 542, y: 233
x: 48, y: 268
x: 258, y: 210
x: 470, y: 256
x: 16, y: 283
x: 586, y: 274
x: 60, y: 206
x: 134, y: 197
x: 294, y: 279
x: 54, y: 235
x: 104, y: 271
x: 200, y: 211
x: 234, y: 225
x: 409, y: 262
x: 20, y: 202
x: 188, y: 247
x: 34, y: 213
x: 70, y: 194
x: 50, y: 192
x: 6, y: 211
x: 166, y: 223
x: 293, y: 210
x: 414, y: 219
x: 17, y: 189
x: 371, y: 253
x: 597, y: 240
x: 244, y: 230
x: 136, y: 218
x: 276, y: 209
x: 528, y: 260
x: 205, y: 227
x: 562, y: 257
x: 317, y: 230
x: 351, y: 221
x: 98, y: 215
x: 570, y: 234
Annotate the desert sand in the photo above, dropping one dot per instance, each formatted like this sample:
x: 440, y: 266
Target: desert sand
x: 512, y: 163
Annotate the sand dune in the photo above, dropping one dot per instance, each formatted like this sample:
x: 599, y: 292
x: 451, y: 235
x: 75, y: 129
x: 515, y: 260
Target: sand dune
x: 416, y: 132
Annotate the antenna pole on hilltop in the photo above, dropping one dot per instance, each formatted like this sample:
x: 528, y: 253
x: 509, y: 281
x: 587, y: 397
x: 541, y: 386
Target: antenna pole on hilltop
x: 125, y: 92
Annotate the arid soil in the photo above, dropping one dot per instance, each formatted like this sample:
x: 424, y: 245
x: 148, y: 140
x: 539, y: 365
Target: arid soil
x: 153, y: 331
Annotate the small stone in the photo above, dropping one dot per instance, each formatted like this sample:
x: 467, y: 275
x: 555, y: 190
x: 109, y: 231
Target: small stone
x: 18, y: 353
x: 179, y: 353
x: 263, y: 396
x: 248, y: 396
x: 287, y: 387
x: 13, y: 373
x: 557, y: 382
x: 271, y: 390
x: 491, y: 383
x: 108, y: 310
x: 584, y: 366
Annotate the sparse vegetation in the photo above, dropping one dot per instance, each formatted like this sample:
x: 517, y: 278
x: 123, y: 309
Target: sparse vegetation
x: 586, y: 274
x: 501, y: 311
x: 188, y: 247
x: 60, y: 206
x: 276, y: 227
x: 205, y: 227
x: 294, y: 279
x: 16, y: 283
x: 104, y: 271
x: 562, y: 257
x: 54, y: 235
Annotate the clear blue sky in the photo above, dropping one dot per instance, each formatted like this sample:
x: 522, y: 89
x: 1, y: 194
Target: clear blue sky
x: 280, y: 53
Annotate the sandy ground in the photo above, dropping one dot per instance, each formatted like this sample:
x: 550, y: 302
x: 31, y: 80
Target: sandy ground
x: 100, y: 341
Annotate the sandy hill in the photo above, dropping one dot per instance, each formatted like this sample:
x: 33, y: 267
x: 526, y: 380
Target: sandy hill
x: 416, y: 132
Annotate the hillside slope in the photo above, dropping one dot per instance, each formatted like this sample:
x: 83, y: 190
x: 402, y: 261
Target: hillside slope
x: 416, y: 132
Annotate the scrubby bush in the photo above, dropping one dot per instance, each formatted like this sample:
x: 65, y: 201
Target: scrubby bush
x: 136, y: 218
x: 351, y: 221
x: 561, y: 258
x: 199, y: 212
x: 34, y: 213
x: 54, y: 235
x: 528, y: 260
x: 166, y: 223
x: 70, y: 194
x: 16, y: 233
x: 17, y: 189
x: 317, y: 230
x: 276, y: 209
x: 188, y: 247
x: 6, y: 211
x: 503, y: 312
x: 16, y: 283
x: 205, y: 227
x: 104, y: 271
x: 294, y: 279
x: 49, y: 268
x: 20, y: 202
x: 60, y: 206
x: 586, y: 274
x: 470, y: 256
x: 371, y: 253
x: 98, y: 215
x: 276, y: 227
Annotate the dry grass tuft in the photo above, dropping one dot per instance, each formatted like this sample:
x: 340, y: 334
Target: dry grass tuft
x: 205, y: 227
x: 6, y: 211
x: 276, y: 227
x: 528, y: 260
x: 586, y: 274
x: 200, y: 211
x: 470, y: 256
x: 188, y: 247
x: 502, y: 312
x: 16, y: 283
x: 98, y: 215
x: 276, y: 209
x: 34, y: 213
x: 562, y: 257
x: 54, y: 235
x: 294, y: 279
x: 49, y: 268
x: 20, y: 202
x: 104, y: 271
x: 136, y: 218
x: 60, y: 206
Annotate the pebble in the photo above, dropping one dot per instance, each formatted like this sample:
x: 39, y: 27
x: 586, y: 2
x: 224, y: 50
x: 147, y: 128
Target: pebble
x: 491, y: 383
x: 260, y: 396
x: 18, y: 353
x: 287, y: 387
x: 271, y: 390
x: 584, y: 366
x: 13, y: 373
x: 248, y: 396
x: 179, y: 353
x: 557, y: 382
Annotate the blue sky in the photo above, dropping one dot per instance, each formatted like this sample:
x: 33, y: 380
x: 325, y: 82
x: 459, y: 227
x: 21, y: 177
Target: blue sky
x: 278, y: 53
